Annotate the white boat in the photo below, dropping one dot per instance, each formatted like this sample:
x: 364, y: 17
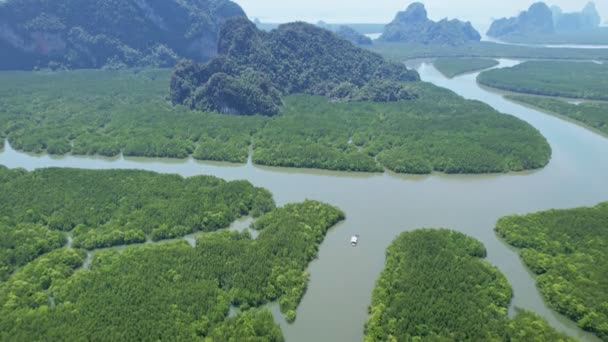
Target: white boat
x: 354, y: 240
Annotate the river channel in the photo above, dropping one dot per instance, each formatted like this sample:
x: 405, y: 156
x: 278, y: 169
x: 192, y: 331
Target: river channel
x: 380, y: 206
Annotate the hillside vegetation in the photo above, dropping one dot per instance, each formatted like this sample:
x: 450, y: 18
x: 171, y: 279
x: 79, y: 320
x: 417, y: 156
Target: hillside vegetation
x: 585, y: 80
x: 112, y: 112
x: 452, y: 67
x: 109, y: 33
x: 436, y: 287
x: 254, y: 68
x: 568, y: 249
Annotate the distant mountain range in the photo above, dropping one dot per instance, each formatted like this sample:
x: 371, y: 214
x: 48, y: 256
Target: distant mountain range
x: 414, y: 26
x: 539, y: 19
x: 109, y: 33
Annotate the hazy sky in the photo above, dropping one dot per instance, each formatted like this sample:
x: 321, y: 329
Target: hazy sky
x: 480, y: 12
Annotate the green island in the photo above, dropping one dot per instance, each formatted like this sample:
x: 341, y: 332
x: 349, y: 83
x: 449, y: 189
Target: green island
x: 452, y: 67
x: 568, y: 250
x: 404, y: 51
x: 169, y: 291
x: 436, y: 287
x: 591, y: 114
x: 127, y: 112
x: 584, y: 80
x: 108, y: 208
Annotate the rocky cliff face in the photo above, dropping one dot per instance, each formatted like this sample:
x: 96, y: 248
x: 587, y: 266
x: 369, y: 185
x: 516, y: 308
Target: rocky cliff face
x: 588, y: 18
x: 109, y: 33
x: 539, y: 19
x: 414, y: 26
x: 255, y: 69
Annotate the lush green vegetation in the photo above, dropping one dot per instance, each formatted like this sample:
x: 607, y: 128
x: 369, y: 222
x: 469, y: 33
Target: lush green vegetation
x: 591, y: 114
x: 255, y: 67
x: 109, y: 33
x: 125, y: 111
x: 24, y: 242
x: 404, y: 51
x: 437, y: 287
x: 438, y: 131
x: 568, y: 249
x: 108, y: 208
x: 585, y: 80
x: 452, y: 67
x: 108, y: 112
x: 170, y: 291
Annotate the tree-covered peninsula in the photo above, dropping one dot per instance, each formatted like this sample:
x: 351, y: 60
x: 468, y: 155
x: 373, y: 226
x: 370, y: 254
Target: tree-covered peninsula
x: 109, y: 33
x: 593, y: 115
x: 109, y: 208
x: 172, y: 291
x: 127, y: 112
x: 585, y: 80
x: 255, y: 69
x: 436, y: 287
x: 452, y: 67
x: 568, y: 250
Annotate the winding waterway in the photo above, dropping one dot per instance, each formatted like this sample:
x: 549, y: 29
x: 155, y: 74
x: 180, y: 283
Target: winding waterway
x: 380, y: 206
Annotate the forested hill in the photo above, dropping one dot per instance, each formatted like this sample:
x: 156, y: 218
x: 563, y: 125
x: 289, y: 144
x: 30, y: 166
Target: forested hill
x: 109, y: 33
x: 255, y: 68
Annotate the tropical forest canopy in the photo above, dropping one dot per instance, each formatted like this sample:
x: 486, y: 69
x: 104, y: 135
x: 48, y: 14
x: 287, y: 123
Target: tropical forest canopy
x: 585, y: 80
x: 568, y: 249
x: 589, y: 114
x: 169, y: 291
x: 126, y: 112
x: 109, y: 33
x: 109, y: 208
x: 436, y: 287
x: 255, y: 69
x: 452, y: 67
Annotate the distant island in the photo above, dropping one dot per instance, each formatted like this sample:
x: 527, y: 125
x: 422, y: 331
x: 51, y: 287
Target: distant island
x: 255, y: 69
x: 65, y: 34
x: 551, y: 25
x: 414, y: 26
x: 353, y: 36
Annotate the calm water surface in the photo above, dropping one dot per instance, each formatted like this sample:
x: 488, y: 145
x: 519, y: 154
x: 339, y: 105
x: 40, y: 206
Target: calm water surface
x: 380, y: 206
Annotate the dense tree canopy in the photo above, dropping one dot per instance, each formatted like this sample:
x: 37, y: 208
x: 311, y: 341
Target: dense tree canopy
x: 568, y: 249
x: 590, y: 114
x: 586, y: 80
x: 438, y: 131
x: 125, y: 111
x: 108, y: 208
x: 109, y: 33
x: 170, y: 291
x: 452, y: 67
x: 436, y: 287
x: 286, y: 61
